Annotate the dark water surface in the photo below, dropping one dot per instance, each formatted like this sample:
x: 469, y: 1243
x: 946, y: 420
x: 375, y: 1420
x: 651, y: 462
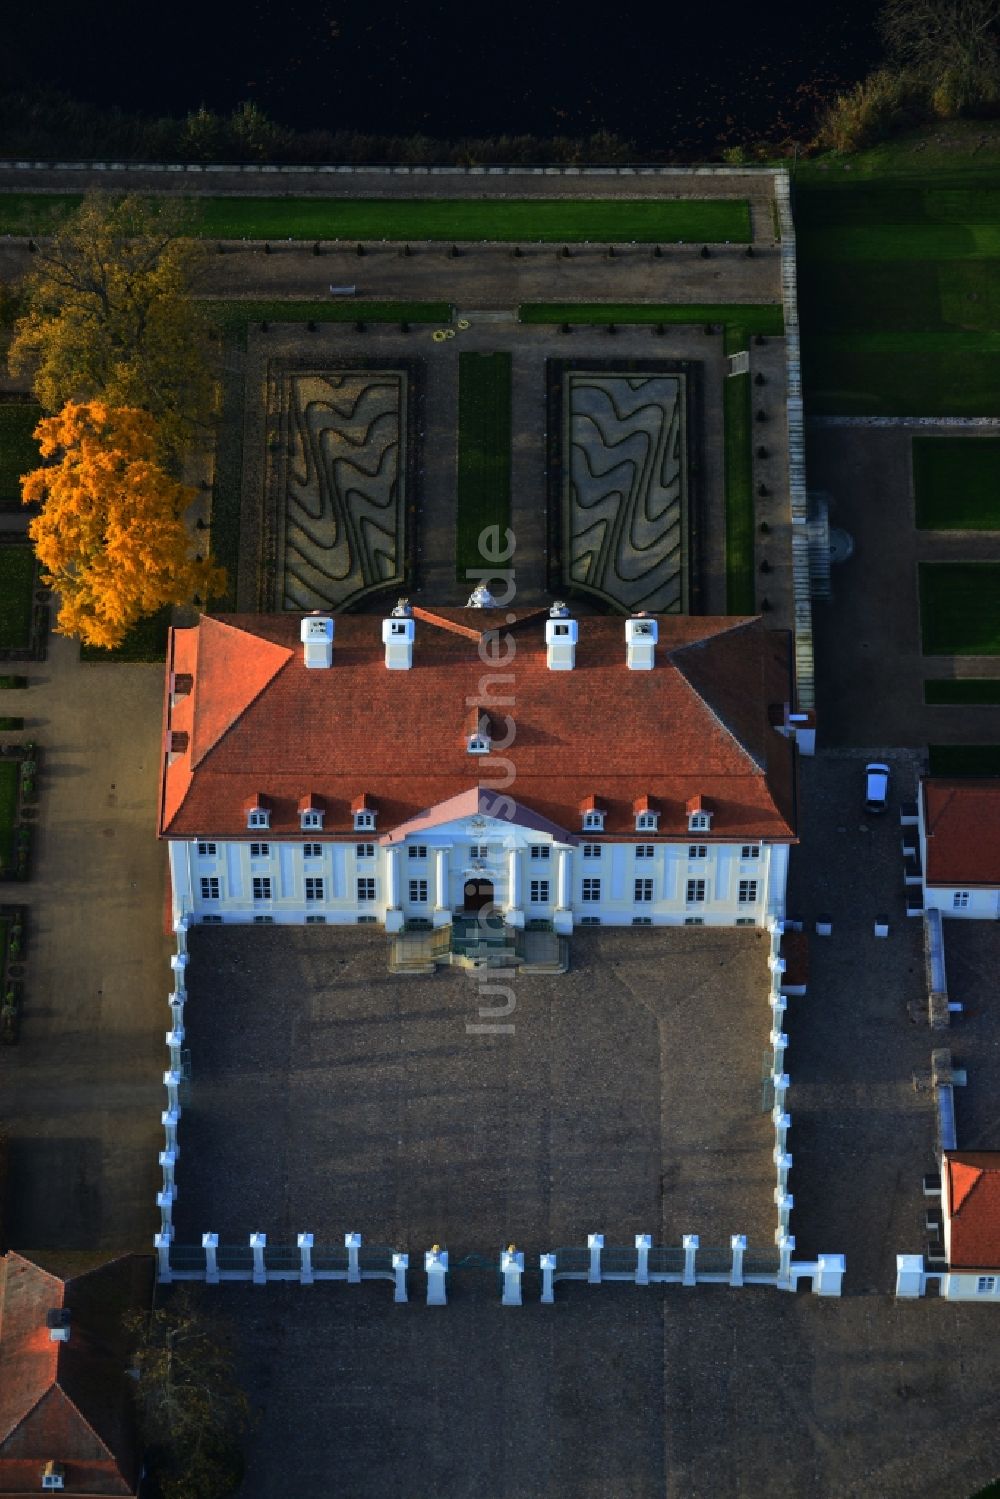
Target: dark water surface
x: 661, y: 74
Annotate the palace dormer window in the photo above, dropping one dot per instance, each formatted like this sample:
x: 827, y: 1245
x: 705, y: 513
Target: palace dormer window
x: 647, y: 816
x: 258, y: 813
x: 699, y: 815
x: 364, y: 812
x: 311, y: 812
x: 592, y: 813
x: 364, y: 819
x: 478, y: 737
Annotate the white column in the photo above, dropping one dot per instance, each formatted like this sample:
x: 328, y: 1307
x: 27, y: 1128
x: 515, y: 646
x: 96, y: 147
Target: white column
x: 781, y: 1082
x: 352, y: 1243
x: 176, y: 1002
x: 400, y: 1265
x: 172, y: 1081
x: 178, y: 963
x: 513, y: 914
x: 181, y: 924
x: 436, y: 1266
x: 165, y: 1203
x: 782, y: 1123
x: 210, y: 1244
x: 909, y: 1275
x: 595, y: 1243
x: 643, y: 1243
x: 830, y: 1278
x: 738, y: 1244
x: 161, y: 1243
x: 169, y: 1119
x: 779, y: 1042
x: 783, y: 1165
x: 394, y: 912
x: 442, y: 905
x: 167, y: 1162
x: 563, y: 914
x: 175, y: 1040
x: 258, y: 1243
x: 305, y: 1245
x: 547, y: 1265
x: 512, y: 1268
x: 786, y: 1247
x: 690, y: 1243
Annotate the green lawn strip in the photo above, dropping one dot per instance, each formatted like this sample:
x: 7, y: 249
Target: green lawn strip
x: 956, y: 483
x: 945, y: 690
x: 146, y: 641
x: 916, y: 383
x: 964, y: 759
x: 235, y: 315
x: 9, y: 772
x: 484, y: 442
x: 17, y: 583
x: 740, y: 594
x: 764, y: 317
x: 611, y: 220
x: 855, y: 243
x: 960, y: 608
x: 18, y: 449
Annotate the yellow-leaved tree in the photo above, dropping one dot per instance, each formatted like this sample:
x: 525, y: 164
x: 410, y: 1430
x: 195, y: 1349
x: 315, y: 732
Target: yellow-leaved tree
x: 109, y: 315
x: 111, y: 534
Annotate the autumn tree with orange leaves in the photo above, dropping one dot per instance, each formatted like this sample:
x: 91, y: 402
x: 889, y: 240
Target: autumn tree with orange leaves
x: 111, y: 534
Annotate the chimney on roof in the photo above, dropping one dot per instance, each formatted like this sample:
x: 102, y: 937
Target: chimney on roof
x: 641, y: 635
x: 57, y: 1322
x: 560, y: 639
x: 316, y: 634
x: 397, y: 636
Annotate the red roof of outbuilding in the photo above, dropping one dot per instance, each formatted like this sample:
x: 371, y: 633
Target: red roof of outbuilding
x: 962, y: 824
x: 972, y: 1201
x: 695, y: 725
x: 67, y: 1401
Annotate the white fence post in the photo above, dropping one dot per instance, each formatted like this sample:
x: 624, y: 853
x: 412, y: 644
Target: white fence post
x: 782, y: 1123
x: 175, y: 1040
x: 595, y: 1243
x: 830, y: 1274
x: 305, y: 1247
x: 643, y: 1244
x: 180, y: 931
x: 258, y: 1243
x: 547, y: 1265
x: 690, y: 1243
x: 352, y: 1243
x: 512, y: 1268
x: 169, y: 1119
x: 436, y: 1266
x: 210, y: 1244
x: 161, y: 1242
x: 178, y: 963
x: 167, y: 1162
x: 165, y: 1203
x: 786, y: 1248
x: 738, y: 1244
x: 910, y: 1275
x: 400, y: 1265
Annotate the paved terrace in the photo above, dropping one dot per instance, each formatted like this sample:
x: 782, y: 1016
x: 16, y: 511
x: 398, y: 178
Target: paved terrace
x: 329, y: 1096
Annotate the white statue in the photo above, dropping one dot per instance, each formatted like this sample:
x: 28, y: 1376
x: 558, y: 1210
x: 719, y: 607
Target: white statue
x: 481, y: 598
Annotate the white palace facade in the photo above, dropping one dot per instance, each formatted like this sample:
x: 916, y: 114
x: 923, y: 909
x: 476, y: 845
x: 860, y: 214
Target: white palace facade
x: 413, y: 770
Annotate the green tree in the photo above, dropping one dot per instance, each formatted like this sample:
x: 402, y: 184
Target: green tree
x: 192, y: 1414
x: 110, y: 316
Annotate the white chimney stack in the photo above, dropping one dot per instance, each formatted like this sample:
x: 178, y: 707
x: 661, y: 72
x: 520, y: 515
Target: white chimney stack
x: 560, y: 639
x: 641, y: 635
x: 316, y: 634
x: 397, y: 637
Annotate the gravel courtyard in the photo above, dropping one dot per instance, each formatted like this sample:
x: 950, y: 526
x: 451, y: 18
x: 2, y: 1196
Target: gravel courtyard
x: 328, y: 1096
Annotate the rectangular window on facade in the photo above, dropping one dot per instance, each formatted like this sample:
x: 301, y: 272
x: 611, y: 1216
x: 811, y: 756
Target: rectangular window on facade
x: 262, y: 887
x: 591, y: 890
x: 263, y: 921
x: 644, y: 850
x: 418, y: 850
x: 699, y: 822
x: 314, y: 889
x: 260, y: 850
x: 315, y: 921
x: 695, y: 891
x: 312, y: 850
x: 540, y: 850
x: 211, y: 921
x: 418, y: 891
x: 745, y: 921
x: 748, y: 893
x: 643, y: 890
x: 591, y: 850
x: 750, y: 851
x: 960, y: 900
x: 479, y: 851
x: 366, y: 889
x: 642, y: 921
x: 207, y: 850
x: 593, y: 822
x: 364, y: 850
x: 540, y: 892
x: 694, y: 921
x: 367, y: 920
x: 697, y: 850
x: 590, y: 921
x: 986, y: 1285
x: 258, y: 819
x: 209, y: 887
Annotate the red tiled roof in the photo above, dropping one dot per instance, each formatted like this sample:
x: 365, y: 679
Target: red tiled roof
x: 67, y: 1401
x: 962, y: 824
x: 695, y: 725
x: 311, y: 803
x: 972, y: 1201
x: 644, y: 804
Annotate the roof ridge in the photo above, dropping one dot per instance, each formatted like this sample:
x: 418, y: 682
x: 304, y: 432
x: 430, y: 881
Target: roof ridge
x: 57, y: 1385
x: 5, y: 1436
x: 759, y: 765
x: 272, y: 646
